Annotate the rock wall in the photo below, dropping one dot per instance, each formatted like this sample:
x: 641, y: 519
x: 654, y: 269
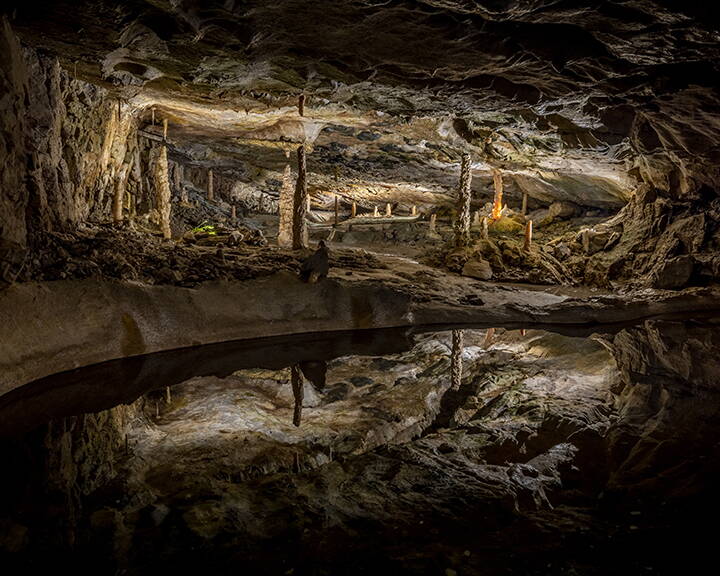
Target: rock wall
x: 63, y: 143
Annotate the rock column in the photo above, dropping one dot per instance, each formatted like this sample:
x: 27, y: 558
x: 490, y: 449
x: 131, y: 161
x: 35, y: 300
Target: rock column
x: 300, y: 203
x: 462, y: 225
x: 159, y: 164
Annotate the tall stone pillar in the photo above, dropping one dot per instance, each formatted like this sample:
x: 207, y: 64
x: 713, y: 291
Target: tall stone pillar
x: 300, y: 203
x: 285, y: 207
x: 462, y: 225
x: 159, y: 163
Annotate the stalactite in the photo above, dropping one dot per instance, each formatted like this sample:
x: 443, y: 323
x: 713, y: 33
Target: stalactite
x: 298, y: 393
x: 462, y: 226
x: 456, y: 359
x: 299, y: 227
x: 286, y: 208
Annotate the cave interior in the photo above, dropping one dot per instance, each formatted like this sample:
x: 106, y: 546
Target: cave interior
x: 359, y: 287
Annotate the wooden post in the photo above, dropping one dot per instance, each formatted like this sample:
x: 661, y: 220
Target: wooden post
x: 300, y: 203
x: 210, y: 190
x: 462, y: 225
x: 523, y: 209
x: 388, y: 210
x: 296, y: 381
x: 528, y: 235
x: 301, y: 104
x: 456, y: 359
x: 353, y: 210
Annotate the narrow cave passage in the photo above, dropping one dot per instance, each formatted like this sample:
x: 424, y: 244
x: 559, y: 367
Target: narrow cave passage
x: 357, y: 287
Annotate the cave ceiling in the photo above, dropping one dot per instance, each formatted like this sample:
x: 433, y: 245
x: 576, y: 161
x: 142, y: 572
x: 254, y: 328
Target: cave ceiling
x: 573, y: 101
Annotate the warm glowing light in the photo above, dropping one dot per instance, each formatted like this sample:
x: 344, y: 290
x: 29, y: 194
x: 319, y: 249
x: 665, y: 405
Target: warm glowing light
x: 498, y: 209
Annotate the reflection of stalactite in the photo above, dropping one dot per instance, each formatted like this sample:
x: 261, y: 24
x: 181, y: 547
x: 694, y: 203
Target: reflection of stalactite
x: 456, y: 359
x: 462, y: 226
x: 297, y: 388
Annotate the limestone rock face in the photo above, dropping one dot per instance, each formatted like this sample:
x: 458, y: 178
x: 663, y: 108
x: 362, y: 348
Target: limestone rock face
x: 479, y: 269
x: 674, y: 273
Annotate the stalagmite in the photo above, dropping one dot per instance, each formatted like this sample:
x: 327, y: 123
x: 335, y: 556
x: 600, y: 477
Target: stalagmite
x: 353, y: 210
x: 528, y: 235
x: 168, y: 398
x: 210, y: 189
x: 300, y: 204
x: 233, y: 212
x: 119, y: 193
x: 497, y: 208
x: 456, y: 359
x: 476, y: 218
x: 296, y: 380
x: 376, y: 214
x: 285, y: 207
x: 388, y: 210
x: 462, y: 225
x: 413, y: 211
x: 523, y: 209
x: 488, y: 338
x: 301, y: 104
x: 433, y: 218
x: 484, y: 228
x: 159, y: 165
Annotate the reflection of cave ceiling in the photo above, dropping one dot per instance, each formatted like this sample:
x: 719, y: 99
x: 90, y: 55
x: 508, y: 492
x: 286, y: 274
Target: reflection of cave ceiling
x: 572, y: 102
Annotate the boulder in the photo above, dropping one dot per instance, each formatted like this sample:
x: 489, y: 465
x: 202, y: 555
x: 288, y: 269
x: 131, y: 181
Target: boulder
x: 479, y: 269
x: 673, y: 273
x: 561, y: 210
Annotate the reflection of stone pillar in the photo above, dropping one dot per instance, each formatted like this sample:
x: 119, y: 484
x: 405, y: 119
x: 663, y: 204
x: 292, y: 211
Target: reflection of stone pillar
x: 528, y: 235
x: 462, y: 226
x: 299, y: 227
x: 162, y: 187
x: 298, y: 393
x: 285, y: 207
x: 456, y: 359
